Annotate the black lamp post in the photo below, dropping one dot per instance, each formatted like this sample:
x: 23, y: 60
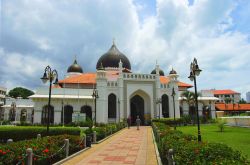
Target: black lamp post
x: 118, y: 109
x: 50, y: 75
x: 195, y: 71
x: 173, y: 95
x: 95, y: 96
x: 158, y: 101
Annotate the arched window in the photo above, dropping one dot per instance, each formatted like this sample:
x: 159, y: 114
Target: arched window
x: 192, y: 112
x: 87, y: 110
x: 45, y: 114
x: 112, y: 106
x: 165, y: 105
x: 23, y: 116
x: 68, y: 111
x: 181, y: 111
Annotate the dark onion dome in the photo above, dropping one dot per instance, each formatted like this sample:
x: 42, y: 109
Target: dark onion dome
x: 75, y: 68
x: 172, y: 71
x: 112, y: 59
x: 160, y: 71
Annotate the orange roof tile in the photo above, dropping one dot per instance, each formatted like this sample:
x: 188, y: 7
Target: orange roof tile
x: 86, y: 78
x: 165, y: 80
x: 232, y: 107
x: 224, y: 92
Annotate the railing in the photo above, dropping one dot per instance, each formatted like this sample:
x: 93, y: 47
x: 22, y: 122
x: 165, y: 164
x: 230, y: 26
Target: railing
x: 112, y: 84
x: 136, y: 76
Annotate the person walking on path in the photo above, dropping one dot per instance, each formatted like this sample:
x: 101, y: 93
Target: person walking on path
x: 129, y: 122
x: 138, y: 122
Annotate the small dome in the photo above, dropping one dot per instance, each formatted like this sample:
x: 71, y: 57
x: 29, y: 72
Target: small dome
x: 75, y: 68
x: 112, y: 59
x: 172, y: 71
x: 160, y: 71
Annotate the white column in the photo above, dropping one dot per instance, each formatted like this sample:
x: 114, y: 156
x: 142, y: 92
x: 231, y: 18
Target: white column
x: 37, y: 116
x: 57, y: 117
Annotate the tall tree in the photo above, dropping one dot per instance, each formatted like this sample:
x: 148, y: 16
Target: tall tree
x: 20, y: 92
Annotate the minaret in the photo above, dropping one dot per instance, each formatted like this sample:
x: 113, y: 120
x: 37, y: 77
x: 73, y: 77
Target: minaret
x: 173, y: 85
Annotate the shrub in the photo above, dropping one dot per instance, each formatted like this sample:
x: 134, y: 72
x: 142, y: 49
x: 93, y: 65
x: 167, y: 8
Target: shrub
x: 170, y: 121
x: 221, y: 124
x: 45, y: 150
x: 188, y: 151
x: 18, y: 133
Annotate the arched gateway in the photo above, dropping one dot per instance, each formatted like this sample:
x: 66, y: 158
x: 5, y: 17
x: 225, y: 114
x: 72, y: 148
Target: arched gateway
x: 137, y: 109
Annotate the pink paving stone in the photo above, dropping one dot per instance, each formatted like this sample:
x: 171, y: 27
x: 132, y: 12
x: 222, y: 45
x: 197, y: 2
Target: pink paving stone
x: 94, y: 161
x: 129, y: 162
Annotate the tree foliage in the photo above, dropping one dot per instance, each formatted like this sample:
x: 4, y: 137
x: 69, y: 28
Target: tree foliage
x: 20, y: 92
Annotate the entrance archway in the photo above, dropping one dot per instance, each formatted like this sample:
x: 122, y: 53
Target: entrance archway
x: 137, y: 109
x: 165, y: 106
x: 87, y: 109
x: 68, y: 111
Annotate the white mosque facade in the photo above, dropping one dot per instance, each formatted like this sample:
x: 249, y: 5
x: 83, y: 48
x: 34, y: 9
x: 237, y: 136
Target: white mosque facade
x: 121, y: 94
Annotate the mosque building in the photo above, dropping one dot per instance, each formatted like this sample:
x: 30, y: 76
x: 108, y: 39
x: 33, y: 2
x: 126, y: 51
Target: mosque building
x: 118, y: 92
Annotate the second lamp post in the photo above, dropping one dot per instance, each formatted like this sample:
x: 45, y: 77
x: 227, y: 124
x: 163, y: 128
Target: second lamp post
x: 173, y: 95
x: 195, y: 71
x: 50, y: 75
x: 95, y: 96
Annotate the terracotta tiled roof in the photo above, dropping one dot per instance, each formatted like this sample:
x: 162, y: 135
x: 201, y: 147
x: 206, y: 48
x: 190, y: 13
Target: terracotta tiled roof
x: 56, y: 86
x: 224, y: 92
x: 232, y: 107
x: 86, y: 78
x: 165, y: 80
x: 90, y: 78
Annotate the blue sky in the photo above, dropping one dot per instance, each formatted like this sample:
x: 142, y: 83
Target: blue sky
x: 41, y: 32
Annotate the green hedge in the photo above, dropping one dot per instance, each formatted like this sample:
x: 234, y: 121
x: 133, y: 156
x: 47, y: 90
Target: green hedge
x: 105, y: 130
x: 188, y: 151
x: 43, y: 149
x: 18, y: 133
x: 170, y: 121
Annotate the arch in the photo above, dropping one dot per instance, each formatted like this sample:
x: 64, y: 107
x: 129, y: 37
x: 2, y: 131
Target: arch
x: 206, y: 113
x: 192, y: 112
x: 165, y: 105
x: 12, y: 114
x: 137, y: 109
x: 45, y: 114
x: 68, y: 111
x: 112, y: 106
x: 23, y: 116
x: 87, y: 110
x: 181, y: 111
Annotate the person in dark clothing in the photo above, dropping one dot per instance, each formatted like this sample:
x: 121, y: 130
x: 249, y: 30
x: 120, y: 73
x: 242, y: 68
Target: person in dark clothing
x: 138, y: 122
x: 129, y: 122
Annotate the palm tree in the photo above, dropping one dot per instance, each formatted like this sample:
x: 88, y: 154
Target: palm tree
x: 189, y: 97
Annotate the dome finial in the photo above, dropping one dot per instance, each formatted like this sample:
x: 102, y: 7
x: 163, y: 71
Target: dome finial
x: 113, y: 40
x: 75, y: 61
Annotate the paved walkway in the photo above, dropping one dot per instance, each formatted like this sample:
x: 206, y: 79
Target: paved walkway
x: 127, y: 147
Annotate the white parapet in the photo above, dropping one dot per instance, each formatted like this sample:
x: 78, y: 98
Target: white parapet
x: 237, y: 120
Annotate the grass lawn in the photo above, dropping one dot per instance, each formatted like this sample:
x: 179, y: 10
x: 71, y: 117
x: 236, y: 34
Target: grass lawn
x: 235, y: 137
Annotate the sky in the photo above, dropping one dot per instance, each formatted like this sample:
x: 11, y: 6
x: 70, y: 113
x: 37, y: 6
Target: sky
x: 37, y: 33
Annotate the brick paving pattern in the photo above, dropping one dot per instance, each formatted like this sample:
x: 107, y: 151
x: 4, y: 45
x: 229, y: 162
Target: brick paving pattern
x: 128, y: 147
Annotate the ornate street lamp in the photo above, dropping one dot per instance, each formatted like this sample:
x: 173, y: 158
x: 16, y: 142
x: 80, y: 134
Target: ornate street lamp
x: 195, y: 71
x: 95, y: 96
x: 158, y: 101
x: 173, y: 95
x: 50, y: 75
x: 118, y: 109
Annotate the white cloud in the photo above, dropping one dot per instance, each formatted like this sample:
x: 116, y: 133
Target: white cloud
x: 41, y: 32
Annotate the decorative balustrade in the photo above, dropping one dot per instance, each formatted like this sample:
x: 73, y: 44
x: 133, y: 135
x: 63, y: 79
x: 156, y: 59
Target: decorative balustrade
x: 135, y: 76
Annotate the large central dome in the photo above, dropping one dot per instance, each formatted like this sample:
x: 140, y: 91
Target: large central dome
x: 112, y: 59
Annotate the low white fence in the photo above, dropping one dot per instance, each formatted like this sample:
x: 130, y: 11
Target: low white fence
x: 237, y: 120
